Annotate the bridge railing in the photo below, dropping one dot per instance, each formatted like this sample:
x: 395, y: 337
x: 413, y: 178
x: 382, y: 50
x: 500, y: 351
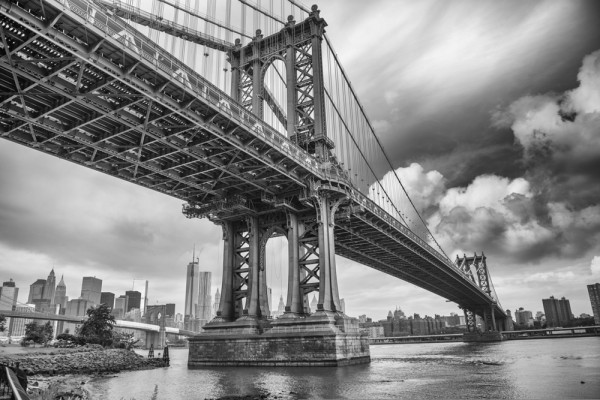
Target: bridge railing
x: 150, y: 52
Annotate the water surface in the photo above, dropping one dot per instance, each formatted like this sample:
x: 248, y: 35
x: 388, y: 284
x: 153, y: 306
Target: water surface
x: 524, y: 369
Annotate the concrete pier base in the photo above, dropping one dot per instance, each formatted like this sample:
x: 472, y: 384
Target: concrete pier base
x: 323, y: 339
x: 483, y: 337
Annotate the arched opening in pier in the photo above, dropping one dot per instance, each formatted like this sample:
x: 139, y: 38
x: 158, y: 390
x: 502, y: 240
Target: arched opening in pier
x: 277, y: 266
x: 275, y: 95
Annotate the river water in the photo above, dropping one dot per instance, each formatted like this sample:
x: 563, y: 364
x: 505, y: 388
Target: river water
x: 523, y: 369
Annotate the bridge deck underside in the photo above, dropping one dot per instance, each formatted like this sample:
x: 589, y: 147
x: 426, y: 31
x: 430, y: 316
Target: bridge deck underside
x: 124, y: 117
x: 86, y: 93
x: 364, y: 239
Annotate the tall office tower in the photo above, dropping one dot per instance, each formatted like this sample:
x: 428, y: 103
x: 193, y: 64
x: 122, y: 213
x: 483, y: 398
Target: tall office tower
x: 141, y: 285
x: 17, y: 325
x: 204, y: 313
x: 108, y: 298
x: 50, y: 287
x: 270, y: 299
x: 170, y: 310
x: 60, y: 294
x: 313, y: 304
x: 91, y: 289
x: 134, y: 300
x: 120, y: 307
x: 280, y: 307
x: 191, y: 289
x: 8, y: 295
x: 8, y: 299
x: 218, y: 302
x: 36, y: 291
x: 523, y: 317
x: 558, y: 312
x: 594, y: 292
x: 76, y: 308
x: 343, y: 305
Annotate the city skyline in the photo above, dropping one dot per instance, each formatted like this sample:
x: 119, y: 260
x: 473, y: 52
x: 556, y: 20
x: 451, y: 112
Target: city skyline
x: 462, y: 135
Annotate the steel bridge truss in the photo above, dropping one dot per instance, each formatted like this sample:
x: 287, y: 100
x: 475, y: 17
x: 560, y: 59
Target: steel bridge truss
x: 79, y: 83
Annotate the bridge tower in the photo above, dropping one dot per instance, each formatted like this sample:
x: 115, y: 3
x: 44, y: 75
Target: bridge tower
x: 475, y: 268
x: 242, y: 334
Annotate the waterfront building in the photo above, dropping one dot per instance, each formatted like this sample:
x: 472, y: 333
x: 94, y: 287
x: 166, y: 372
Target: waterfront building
x: 108, y: 298
x: 558, y: 311
x: 60, y: 295
x: 134, y: 300
x: 141, y: 285
x: 91, y: 289
x: 17, y: 325
x: 191, y: 289
x: 204, y: 309
x: 524, y: 317
x: 594, y: 292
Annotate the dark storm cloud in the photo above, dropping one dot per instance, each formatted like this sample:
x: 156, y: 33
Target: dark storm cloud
x: 431, y: 84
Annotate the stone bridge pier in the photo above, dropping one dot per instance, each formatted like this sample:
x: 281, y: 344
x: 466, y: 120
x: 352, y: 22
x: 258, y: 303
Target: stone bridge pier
x: 242, y: 333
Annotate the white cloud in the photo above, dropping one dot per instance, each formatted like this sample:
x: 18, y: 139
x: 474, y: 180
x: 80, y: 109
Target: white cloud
x: 595, y: 266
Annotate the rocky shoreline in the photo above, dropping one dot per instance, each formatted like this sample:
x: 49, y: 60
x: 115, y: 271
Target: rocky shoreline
x: 83, y: 360
x: 52, y: 370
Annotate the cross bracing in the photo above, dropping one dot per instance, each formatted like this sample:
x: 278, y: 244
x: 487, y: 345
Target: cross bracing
x: 83, y: 85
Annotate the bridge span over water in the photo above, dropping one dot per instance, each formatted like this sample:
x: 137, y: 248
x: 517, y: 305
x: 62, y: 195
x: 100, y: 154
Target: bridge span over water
x: 85, y: 81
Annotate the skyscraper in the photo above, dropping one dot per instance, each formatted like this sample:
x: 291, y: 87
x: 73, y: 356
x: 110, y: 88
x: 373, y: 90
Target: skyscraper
x: 50, y: 287
x: 217, y: 302
x: 91, y: 289
x: 8, y: 295
x: 558, y: 312
x: 191, y: 289
x: 141, y: 285
x: 594, y: 292
x: 108, y: 298
x: 204, y: 311
x: 170, y: 310
x: 36, y: 291
x: 60, y: 294
x: 523, y: 317
x: 8, y: 299
x: 134, y: 300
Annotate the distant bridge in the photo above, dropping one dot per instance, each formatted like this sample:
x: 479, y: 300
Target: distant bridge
x: 151, y: 330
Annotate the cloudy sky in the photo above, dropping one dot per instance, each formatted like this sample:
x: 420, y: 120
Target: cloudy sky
x: 490, y: 111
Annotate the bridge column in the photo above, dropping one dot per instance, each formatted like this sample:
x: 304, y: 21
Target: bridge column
x: 295, y: 298
x: 328, y: 288
x: 226, y: 306
x: 252, y: 308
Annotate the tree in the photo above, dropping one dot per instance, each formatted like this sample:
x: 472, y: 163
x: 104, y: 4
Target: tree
x: 98, y: 327
x: 2, y: 323
x: 46, y: 332
x: 33, y: 333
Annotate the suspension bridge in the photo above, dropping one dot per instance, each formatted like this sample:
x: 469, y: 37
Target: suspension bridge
x: 245, y: 113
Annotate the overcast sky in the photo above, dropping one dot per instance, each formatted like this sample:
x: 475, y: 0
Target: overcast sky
x: 490, y: 111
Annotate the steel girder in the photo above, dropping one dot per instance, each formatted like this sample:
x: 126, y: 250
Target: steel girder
x: 87, y: 89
